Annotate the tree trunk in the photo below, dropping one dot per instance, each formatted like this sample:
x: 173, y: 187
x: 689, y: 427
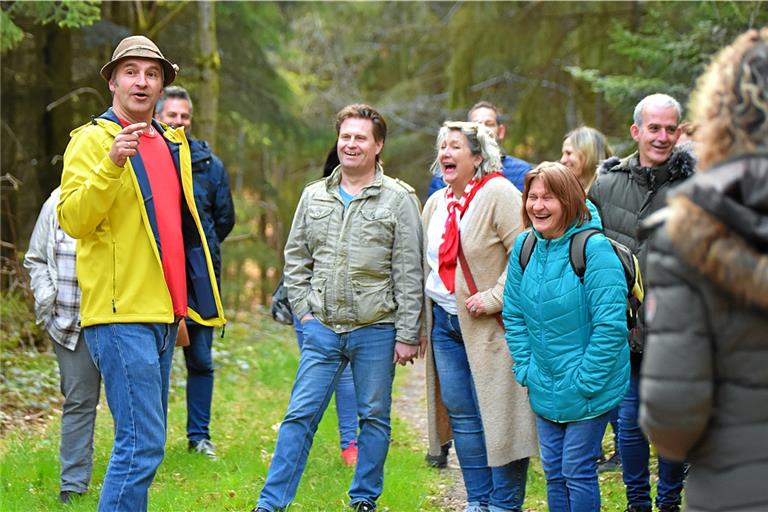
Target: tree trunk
x: 207, y: 101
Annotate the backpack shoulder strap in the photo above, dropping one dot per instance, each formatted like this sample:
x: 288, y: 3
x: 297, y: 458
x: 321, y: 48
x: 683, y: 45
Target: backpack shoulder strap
x: 527, y: 250
x: 578, y: 251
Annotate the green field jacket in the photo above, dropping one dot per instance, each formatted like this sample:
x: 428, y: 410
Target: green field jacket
x: 360, y: 265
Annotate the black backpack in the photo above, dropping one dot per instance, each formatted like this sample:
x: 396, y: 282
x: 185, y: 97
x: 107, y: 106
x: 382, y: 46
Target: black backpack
x: 578, y: 258
x: 281, y: 308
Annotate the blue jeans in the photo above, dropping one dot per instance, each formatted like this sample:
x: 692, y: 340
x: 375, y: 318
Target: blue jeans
x: 324, y: 356
x: 569, y: 453
x: 346, y: 408
x: 135, y: 365
x: 635, y: 454
x: 199, y: 380
x: 500, y: 488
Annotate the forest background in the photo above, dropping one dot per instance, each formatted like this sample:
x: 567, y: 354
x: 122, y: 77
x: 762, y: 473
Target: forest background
x: 267, y: 77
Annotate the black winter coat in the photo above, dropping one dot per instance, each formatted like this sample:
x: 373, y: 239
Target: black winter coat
x: 213, y: 198
x: 625, y: 194
x: 704, y: 383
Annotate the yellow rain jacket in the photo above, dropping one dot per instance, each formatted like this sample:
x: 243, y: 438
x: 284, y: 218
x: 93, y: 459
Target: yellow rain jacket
x: 110, y: 211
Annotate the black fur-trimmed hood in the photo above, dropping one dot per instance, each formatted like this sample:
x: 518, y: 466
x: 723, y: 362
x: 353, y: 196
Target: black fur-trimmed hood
x: 681, y: 164
x: 718, y: 223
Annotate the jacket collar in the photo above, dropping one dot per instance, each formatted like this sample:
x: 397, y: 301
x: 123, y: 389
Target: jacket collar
x: 680, y: 165
x: 333, y: 181
x: 114, y: 126
x: 200, y: 150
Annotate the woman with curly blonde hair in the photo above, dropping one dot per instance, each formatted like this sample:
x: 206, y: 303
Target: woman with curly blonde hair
x: 704, y: 385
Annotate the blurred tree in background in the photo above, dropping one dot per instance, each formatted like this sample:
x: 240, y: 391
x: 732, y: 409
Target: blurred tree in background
x: 267, y: 77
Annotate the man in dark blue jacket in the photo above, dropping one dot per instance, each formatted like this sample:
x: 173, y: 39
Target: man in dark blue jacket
x: 213, y: 199
x: 513, y: 168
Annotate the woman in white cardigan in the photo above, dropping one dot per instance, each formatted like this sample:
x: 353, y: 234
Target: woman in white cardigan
x: 472, y: 395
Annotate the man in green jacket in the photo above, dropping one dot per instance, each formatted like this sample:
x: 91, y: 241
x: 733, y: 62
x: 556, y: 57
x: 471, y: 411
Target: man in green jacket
x: 142, y: 260
x: 354, y: 278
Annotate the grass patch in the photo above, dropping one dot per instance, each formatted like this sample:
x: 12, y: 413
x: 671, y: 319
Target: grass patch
x: 256, y: 363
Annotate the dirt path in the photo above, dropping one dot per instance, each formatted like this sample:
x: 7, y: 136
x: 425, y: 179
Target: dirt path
x: 414, y: 411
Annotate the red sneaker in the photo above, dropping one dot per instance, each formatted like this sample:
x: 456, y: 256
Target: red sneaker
x: 349, y: 454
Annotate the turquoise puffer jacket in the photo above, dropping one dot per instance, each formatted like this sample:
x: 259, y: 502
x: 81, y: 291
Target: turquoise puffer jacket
x: 568, y: 340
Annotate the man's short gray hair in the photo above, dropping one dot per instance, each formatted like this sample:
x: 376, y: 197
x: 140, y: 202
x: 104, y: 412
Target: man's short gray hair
x: 657, y: 100
x: 173, y: 91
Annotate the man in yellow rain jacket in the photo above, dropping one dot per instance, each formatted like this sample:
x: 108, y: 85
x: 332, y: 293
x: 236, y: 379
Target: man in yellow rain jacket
x: 142, y: 260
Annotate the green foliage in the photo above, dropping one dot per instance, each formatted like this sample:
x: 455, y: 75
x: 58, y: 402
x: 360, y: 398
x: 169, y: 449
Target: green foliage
x: 10, y: 33
x: 29, y: 387
x: 668, y: 49
x: 70, y: 14
x: 17, y: 322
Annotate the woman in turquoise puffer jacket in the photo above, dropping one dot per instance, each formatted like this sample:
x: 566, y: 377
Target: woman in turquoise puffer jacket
x: 568, y: 338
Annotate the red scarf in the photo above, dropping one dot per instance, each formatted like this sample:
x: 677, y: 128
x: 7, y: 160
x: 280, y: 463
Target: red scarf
x: 449, y: 249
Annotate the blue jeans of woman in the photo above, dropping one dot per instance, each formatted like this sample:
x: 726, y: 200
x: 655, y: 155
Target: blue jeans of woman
x: 135, y: 365
x: 569, y: 453
x: 346, y: 408
x: 635, y: 455
x: 325, y: 354
x: 495, y: 488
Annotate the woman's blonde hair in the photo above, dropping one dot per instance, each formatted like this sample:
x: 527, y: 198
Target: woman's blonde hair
x: 592, y: 144
x: 730, y: 103
x: 564, y: 185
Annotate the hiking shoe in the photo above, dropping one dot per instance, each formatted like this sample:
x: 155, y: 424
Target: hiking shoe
x: 439, y: 461
x: 669, y: 508
x: 203, y: 447
x: 349, y: 454
x: 611, y: 464
x: 259, y: 509
x: 362, y: 506
x: 66, y: 497
x: 639, y: 508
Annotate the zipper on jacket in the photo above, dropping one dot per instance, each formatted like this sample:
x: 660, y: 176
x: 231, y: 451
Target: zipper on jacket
x: 114, y: 277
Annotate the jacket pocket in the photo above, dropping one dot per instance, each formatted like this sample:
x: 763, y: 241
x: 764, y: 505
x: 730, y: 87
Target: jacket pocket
x: 373, y: 300
x: 318, y: 221
x: 539, y: 390
x: 573, y: 405
x: 316, y: 297
x: 377, y: 226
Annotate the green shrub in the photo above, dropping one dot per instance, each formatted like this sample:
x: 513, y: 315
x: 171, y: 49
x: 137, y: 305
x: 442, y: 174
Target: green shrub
x: 17, y: 323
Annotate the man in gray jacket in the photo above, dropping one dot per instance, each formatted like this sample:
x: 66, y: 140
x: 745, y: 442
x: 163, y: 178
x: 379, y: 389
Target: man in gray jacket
x: 50, y: 261
x: 353, y: 274
x: 626, y: 192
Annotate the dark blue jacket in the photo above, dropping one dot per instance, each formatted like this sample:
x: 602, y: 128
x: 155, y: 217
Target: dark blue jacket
x: 513, y: 169
x: 213, y: 198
